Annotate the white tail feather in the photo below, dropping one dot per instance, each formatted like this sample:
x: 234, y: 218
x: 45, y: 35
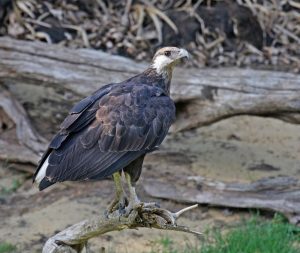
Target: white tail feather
x: 42, y: 172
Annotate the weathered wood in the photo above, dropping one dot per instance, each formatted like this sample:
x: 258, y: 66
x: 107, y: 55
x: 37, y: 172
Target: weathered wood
x: 279, y: 194
x: 19, y: 142
x: 26, y: 134
x: 74, y: 238
x: 17, y: 153
x: 50, y: 78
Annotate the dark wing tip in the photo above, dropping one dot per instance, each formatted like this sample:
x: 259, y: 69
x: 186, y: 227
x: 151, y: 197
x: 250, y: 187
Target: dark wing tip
x: 45, y: 184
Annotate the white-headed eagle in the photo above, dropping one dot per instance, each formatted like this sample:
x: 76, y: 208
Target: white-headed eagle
x: 113, y: 129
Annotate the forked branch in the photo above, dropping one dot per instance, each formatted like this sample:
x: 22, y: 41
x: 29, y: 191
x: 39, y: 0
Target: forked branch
x: 74, y: 239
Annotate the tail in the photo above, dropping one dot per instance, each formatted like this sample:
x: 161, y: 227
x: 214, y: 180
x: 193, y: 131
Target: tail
x: 45, y: 184
x: 39, y: 177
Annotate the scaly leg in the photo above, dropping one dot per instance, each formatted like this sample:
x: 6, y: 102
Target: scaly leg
x: 120, y: 200
x: 133, y: 198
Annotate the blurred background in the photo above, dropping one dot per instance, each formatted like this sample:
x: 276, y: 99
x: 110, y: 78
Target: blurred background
x: 234, y: 149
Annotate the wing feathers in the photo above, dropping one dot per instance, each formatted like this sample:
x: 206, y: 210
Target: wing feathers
x: 107, y: 131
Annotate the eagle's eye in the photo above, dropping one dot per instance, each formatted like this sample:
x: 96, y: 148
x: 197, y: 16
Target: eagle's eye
x: 167, y: 53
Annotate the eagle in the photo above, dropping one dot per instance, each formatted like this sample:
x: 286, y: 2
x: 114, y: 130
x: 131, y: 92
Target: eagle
x: 111, y: 131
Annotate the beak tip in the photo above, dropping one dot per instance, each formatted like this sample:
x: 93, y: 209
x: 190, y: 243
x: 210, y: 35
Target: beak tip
x: 184, y: 53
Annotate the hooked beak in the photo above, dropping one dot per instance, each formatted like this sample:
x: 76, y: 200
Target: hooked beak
x: 183, y: 54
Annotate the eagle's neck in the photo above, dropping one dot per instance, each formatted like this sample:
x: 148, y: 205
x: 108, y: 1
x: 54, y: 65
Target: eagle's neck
x: 161, y: 80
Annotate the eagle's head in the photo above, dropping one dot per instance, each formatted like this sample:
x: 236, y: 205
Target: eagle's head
x: 166, y: 58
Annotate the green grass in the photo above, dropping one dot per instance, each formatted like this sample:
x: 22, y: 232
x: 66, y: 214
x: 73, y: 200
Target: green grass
x: 15, y: 184
x: 6, y: 247
x: 253, y: 236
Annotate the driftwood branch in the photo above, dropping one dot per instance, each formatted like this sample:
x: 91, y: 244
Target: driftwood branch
x: 279, y: 194
x: 74, y: 238
x: 60, y: 76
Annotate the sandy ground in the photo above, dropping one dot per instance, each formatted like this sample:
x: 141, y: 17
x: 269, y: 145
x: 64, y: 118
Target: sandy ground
x: 231, y: 150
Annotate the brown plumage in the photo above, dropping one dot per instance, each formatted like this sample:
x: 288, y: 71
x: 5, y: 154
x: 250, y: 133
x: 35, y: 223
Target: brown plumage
x: 114, y: 128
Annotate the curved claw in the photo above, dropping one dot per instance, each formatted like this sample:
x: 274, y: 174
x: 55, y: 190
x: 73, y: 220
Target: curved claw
x: 119, y: 203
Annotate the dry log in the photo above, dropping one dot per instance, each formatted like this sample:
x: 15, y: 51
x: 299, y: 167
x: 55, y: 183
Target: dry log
x: 279, y: 194
x: 49, y: 78
x: 74, y: 239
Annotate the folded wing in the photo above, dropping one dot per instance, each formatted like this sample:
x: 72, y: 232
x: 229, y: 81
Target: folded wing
x: 105, y: 133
